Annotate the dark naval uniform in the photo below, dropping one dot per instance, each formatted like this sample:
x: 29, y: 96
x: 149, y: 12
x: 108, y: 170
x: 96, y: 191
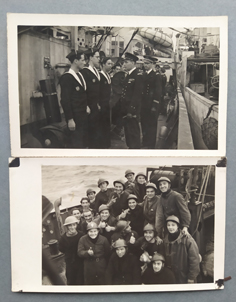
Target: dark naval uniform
x: 74, y: 104
x: 130, y: 103
x: 92, y: 78
x: 105, y: 94
x: 151, y: 97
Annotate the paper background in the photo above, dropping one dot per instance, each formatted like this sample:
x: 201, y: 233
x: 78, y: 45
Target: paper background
x: 161, y: 8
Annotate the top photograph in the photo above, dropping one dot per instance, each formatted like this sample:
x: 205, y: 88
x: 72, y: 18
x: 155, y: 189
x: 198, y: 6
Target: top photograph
x: 92, y: 90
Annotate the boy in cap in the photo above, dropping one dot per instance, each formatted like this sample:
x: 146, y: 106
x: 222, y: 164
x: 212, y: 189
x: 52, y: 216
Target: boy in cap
x: 151, y: 98
x: 104, y: 195
x: 91, y: 194
x: 157, y: 273
x: 118, y: 202
x: 123, y: 267
x: 92, y: 78
x: 129, y: 184
x: 131, y: 101
x: 106, y: 222
x: 74, y: 100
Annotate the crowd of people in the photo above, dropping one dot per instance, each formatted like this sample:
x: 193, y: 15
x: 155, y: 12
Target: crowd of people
x: 86, y: 92
x: 130, y: 234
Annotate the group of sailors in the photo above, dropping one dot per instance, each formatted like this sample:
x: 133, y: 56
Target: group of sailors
x: 86, y: 93
x: 127, y: 234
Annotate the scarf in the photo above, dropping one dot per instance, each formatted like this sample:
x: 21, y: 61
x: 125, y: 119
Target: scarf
x: 173, y: 237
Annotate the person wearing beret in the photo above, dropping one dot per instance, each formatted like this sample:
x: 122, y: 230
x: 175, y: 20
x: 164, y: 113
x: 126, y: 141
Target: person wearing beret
x: 92, y: 78
x: 105, y: 95
x: 74, y: 100
x: 131, y: 101
x: 151, y: 98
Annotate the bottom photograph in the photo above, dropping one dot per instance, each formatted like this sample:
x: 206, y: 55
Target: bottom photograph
x: 128, y: 224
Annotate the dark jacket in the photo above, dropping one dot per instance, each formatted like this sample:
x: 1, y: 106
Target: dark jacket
x: 136, y: 219
x: 140, y: 191
x: 74, y: 264
x: 150, y: 208
x: 152, y: 90
x: 165, y: 276
x: 105, y: 92
x: 103, y: 198
x: 111, y: 221
x: 125, y: 270
x: 142, y: 245
x: 73, y: 96
x: 93, y: 88
x: 129, y: 186
x: 94, y: 266
x: 132, y: 93
x: 120, y: 204
x: 173, y: 203
x: 182, y: 256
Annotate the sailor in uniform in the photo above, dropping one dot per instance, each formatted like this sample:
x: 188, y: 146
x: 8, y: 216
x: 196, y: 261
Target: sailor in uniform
x: 105, y: 95
x: 131, y: 101
x: 151, y: 97
x: 92, y: 78
x: 74, y: 100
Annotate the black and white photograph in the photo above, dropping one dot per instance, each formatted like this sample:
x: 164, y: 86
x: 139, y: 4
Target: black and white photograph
x: 101, y: 225
x: 89, y: 87
x: 128, y: 225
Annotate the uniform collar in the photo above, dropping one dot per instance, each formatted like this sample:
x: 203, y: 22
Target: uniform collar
x: 150, y: 70
x: 74, y: 74
x: 106, y: 75
x: 94, y: 71
x: 131, y: 70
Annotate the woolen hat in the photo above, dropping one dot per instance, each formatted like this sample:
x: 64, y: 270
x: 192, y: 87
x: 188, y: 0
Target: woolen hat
x: 173, y: 218
x: 149, y: 227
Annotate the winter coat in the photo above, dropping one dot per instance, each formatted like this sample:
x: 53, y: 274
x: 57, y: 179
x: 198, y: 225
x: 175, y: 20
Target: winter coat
x: 165, y: 276
x: 150, y: 207
x: 182, y: 256
x: 111, y: 221
x: 139, y: 191
x: 95, y: 265
x: 103, y: 198
x: 74, y: 264
x: 120, y: 204
x: 124, y: 270
x: 136, y: 219
x: 142, y: 245
x: 173, y: 203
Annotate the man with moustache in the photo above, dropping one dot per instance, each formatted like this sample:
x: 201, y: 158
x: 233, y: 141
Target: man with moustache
x: 92, y: 78
x: 151, y: 98
x: 131, y: 101
x: 74, y: 100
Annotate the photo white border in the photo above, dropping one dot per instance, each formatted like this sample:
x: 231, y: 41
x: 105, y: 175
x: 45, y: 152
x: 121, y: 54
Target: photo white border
x: 13, y: 20
x: 26, y: 224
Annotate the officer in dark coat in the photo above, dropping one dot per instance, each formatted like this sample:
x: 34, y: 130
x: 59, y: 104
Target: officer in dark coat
x: 152, y: 88
x: 92, y: 78
x: 131, y: 101
x: 74, y: 100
